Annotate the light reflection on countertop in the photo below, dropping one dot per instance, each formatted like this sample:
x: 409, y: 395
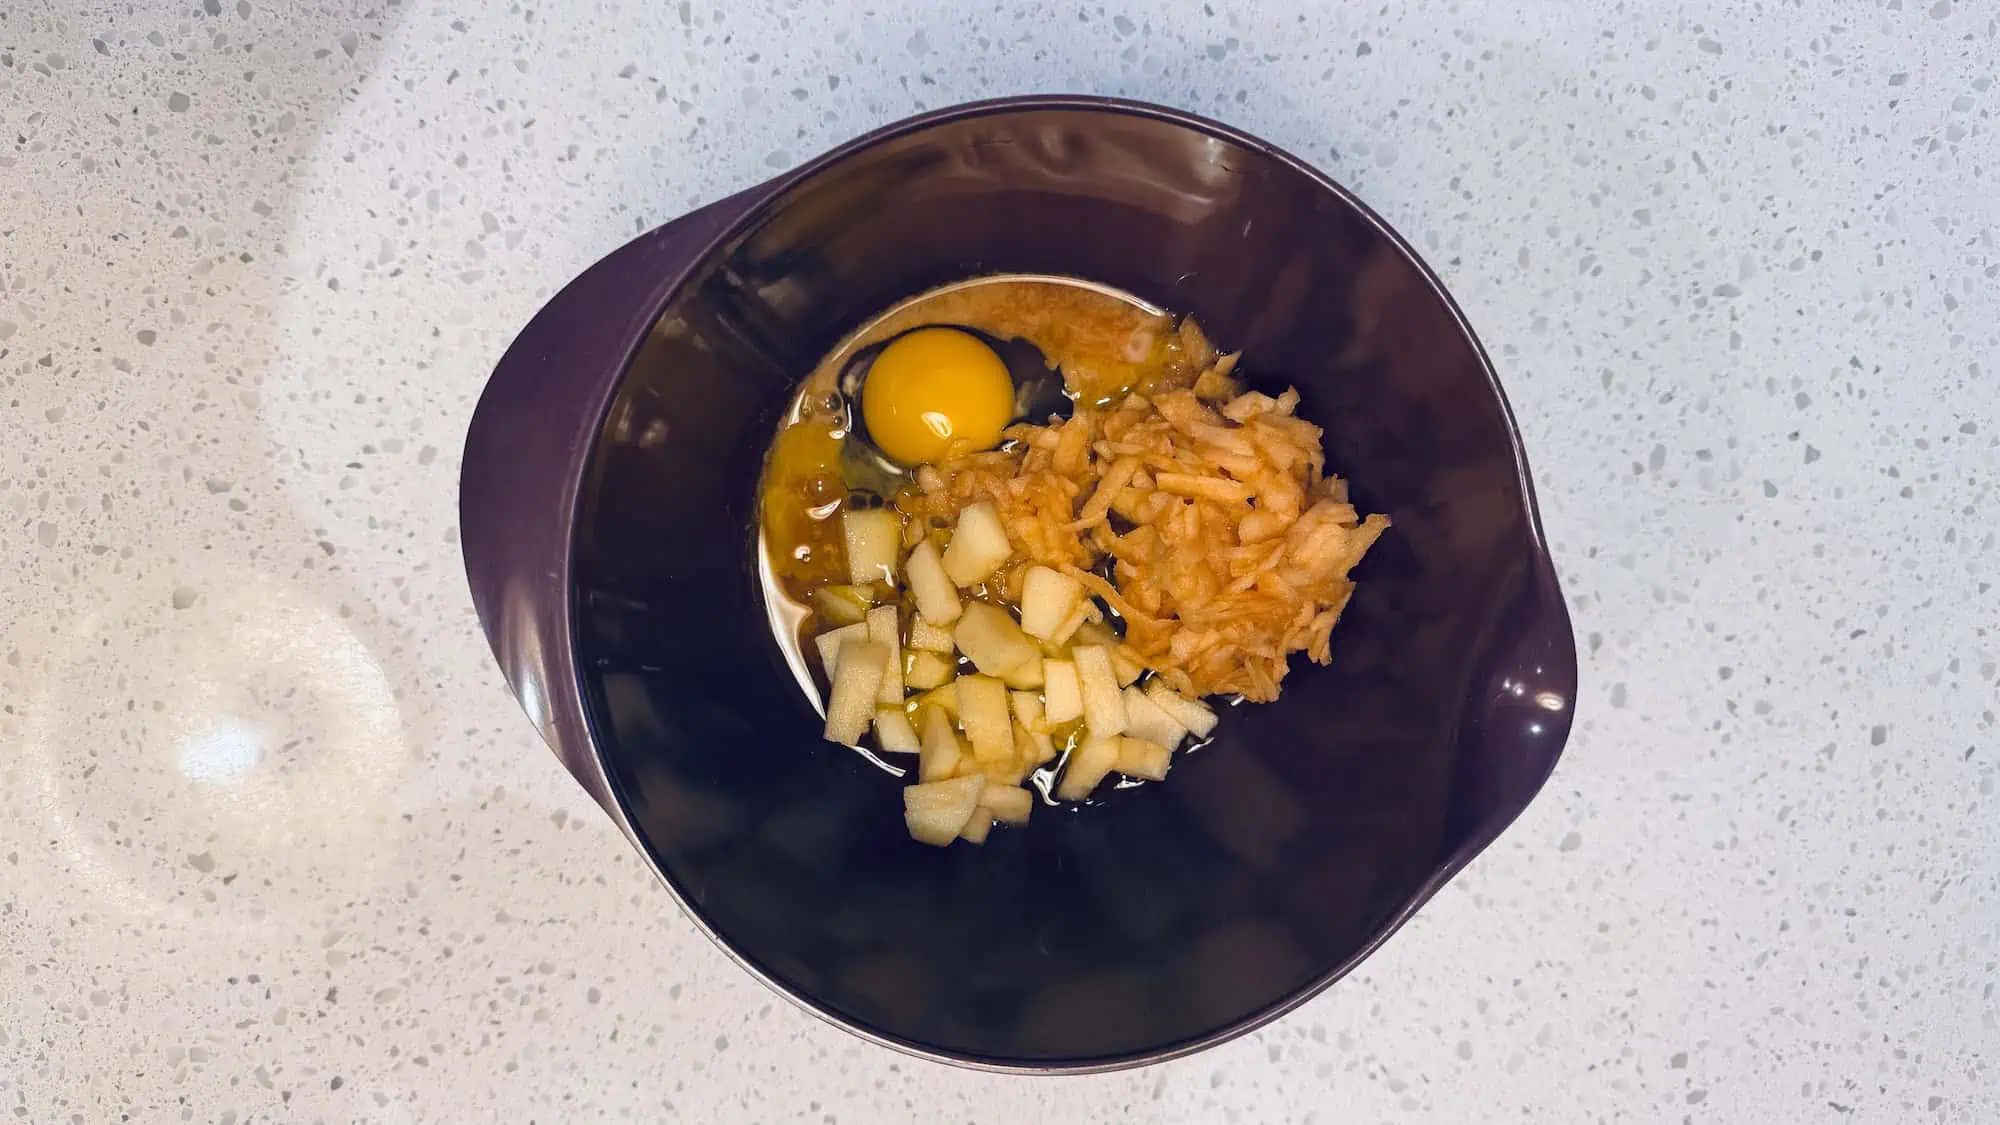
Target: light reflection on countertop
x: 270, y: 734
x: 223, y: 753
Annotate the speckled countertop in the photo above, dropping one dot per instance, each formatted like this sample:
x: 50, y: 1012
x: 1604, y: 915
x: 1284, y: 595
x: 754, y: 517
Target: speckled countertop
x: 276, y: 846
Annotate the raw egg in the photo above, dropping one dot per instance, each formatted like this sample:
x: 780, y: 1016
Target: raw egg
x: 936, y: 393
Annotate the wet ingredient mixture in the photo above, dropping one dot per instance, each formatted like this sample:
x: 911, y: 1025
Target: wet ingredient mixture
x: 1046, y: 599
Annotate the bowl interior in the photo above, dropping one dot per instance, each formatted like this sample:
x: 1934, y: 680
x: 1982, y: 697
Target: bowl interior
x: 1154, y: 918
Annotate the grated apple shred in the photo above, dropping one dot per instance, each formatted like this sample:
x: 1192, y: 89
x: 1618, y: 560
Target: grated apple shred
x: 1235, y: 545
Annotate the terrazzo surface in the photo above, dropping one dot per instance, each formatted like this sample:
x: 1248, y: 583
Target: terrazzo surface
x: 275, y: 845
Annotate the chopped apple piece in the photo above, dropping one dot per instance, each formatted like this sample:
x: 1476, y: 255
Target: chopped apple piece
x: 829, y: 645
x: 982, y: 712
x: 1097, y: 633
x: 1029, y: 710
x: 929, y: 637
x: 1128, y: 669
x: 1032, y: 749
x: 978, y: 546
x: 1197, y: 717
x: 1086, y: 768
x: 1047, y: 600
x: 1031, y: 718
x: 895, y: 732
x: 842, y: 605
x: 1008, y: 774
x: 937, y: 598
x: 1025, y: 750
x: 852, y: 705
x: 1122, y: 661
x: 1082, y: 615
x: 926, y: 670
x: 884, y: 630
x: 943, y: 698
x: 937, y: 811
x: 939, y: 756
x: 977, y: 829
x: 1062, y: 696
x: 1027, y: 677
x: 1009, y: 804
x: 1138, y: 757
x: 991, y: 640
x: 874, y: 536
x: 1103, y: 707
x: 1145, y: 719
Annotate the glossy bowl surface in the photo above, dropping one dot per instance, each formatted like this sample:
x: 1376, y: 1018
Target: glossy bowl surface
x: 608, y: 511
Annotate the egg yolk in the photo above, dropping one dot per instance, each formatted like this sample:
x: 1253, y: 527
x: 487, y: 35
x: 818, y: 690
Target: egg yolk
x: 936, y: 393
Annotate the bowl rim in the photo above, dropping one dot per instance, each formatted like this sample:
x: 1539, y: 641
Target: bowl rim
x: 754, y: 203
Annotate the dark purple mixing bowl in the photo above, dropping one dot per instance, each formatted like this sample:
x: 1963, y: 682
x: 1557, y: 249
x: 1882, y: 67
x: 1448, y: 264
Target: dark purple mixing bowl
x: 608, y: 505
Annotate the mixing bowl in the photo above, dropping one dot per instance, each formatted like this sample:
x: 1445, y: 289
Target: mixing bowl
x: 608, y: 510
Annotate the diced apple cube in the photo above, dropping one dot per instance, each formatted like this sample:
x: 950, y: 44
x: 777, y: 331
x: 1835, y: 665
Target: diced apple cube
x: 1138, y: 757
x: 937, y: 598
x: 829, y: 645
x: 884, y: 630
x: 1087, y: 766
x: 1047, y: 600
x: 895, y: 732
x: 991, y: 640
x: 978, y: 828
x: 1028, y: 676
x: 874, y: 537
x: 926, y: 670
x: 852, y: 705
x: 929, y: 637
x: 978, y: 546
x: 1062, y: 696
x: 937, y: 811
x: 842, y: 605
x: 982, y: 713
x: 1196, y: 716
x: 941, y: 751
x: 1103, y: 706
x: 1144, y: 719
x: 1011, y: 804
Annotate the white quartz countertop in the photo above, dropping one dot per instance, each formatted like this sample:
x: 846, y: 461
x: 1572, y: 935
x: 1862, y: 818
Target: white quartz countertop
x: 275, y: 844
